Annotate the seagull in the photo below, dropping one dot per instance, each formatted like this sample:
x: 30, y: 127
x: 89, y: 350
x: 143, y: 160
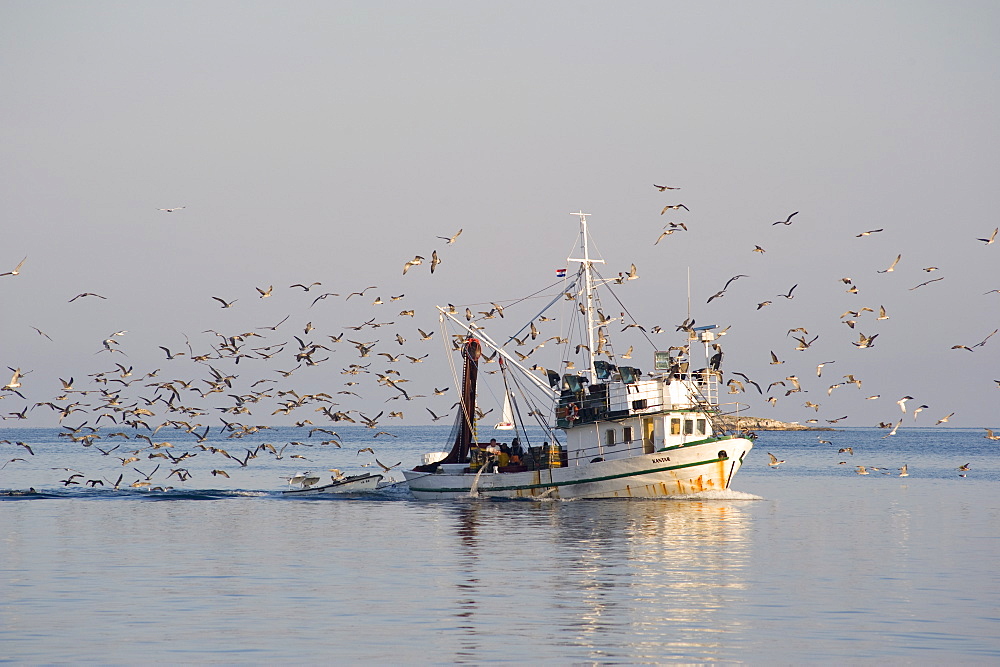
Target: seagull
x: 786, y: 221
x: 928, y: 283
x: 265, y: 293
x: 945, y: 418
x: 846, y: 450
x: 865, y: 341
x: 892, y: 267
x: 893, y: 431
x: 983, y: 341
x: 663, y: 188
x: 386, y: 468
x: 992, y: 237
x: 819, y: 367
x: 169, y: 354
x: 774, y: 460
x: 664, y: 233
x: 171, y: 210
x: 362, y: 292
x: 434, y: 260
x: 989, y: 435
x: 862, y: 471
x: 42, y: 333
x: 757, y: 248
x: 789, y: 295
x: 903, y: 472
x: 869, y: 232
x: 305, y: 287
x: 17, y: 269
x: 323, y: 296
x: 673, y: 207
x: 413, y: 262
x: 15, y: 380
x: 964, y: 468
x: 225, y: 304
x: 78, y: 296
x: 451, y: 239
x: 902, y: 402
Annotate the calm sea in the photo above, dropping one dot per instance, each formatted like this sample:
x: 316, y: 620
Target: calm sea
x: 807, y: 562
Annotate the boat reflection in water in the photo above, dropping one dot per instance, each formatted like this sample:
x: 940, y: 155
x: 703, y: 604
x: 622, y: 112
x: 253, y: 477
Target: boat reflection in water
x: 634, y: 580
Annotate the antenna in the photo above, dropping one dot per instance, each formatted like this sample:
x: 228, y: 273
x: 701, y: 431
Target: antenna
x: 587, y: 264
x: 689, y: 294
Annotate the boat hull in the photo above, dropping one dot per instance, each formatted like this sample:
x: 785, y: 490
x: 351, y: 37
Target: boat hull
x: 353, y: 484
x: 673, y: 471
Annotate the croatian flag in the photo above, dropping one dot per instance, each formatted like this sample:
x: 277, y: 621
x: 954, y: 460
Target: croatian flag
x: 560, y: 273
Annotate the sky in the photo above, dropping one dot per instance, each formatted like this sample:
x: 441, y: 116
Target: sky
x: 333, y: 141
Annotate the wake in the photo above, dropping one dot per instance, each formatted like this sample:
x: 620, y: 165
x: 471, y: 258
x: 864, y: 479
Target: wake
x: 721, y: 494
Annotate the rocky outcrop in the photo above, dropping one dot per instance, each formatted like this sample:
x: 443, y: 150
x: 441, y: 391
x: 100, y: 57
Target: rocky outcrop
x: 764, y: 424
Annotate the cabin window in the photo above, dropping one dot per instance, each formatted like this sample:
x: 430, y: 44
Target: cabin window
x: 675, y: 426
x: 700, y: 426
x: 627, y: 434
x: 609, y: 437
x: 688, y: 427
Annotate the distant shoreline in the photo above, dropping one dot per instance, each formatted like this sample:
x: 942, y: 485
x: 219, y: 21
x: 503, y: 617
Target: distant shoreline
x: 764, y: 424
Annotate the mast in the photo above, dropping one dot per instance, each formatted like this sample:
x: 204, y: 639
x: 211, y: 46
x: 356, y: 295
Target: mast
x: 587, y: 265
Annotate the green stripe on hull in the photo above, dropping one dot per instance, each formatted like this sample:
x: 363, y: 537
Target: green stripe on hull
x: 525, y: 487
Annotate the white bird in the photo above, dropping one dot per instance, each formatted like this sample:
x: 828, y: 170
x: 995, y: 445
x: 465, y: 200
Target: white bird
x: 451, y: 239
x: 413, y: 262
x: 892, y: 267
x: 992, y: 237
x: 15, y: 380
x: 774, y: 460
x: 16, y: 270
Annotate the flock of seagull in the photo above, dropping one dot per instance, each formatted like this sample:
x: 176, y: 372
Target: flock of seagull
x: 790, y: 384
x: 128, y: 413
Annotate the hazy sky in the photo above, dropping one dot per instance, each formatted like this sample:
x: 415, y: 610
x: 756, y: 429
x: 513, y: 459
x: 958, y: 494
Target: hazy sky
x: 333, y: 141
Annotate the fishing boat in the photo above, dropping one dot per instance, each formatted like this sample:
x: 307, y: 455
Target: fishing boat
x: 350, y: 484
x: 609, y: 430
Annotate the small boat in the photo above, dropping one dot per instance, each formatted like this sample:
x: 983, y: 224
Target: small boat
x: 506, y: 422
x: 351, y: 484
x: 610, y: 430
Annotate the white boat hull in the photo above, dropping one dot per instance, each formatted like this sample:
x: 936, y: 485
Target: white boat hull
x: 670, y: 472
x: 358, y: 483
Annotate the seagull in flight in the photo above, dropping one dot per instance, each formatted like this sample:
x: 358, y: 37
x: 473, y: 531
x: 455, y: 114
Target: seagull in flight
x: 992, y: 237
x: 786, y: 221
x: 663, y: 188
x: 892, y: 267
x: 789, y: 295
x: 17, y: 269
x: 171, y: 210
x: 225, y: 304
x: 674, y: 207
x: 774, y: 463
x: 413, y: 262
x: 451, y: 239
x: 79, y: 296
